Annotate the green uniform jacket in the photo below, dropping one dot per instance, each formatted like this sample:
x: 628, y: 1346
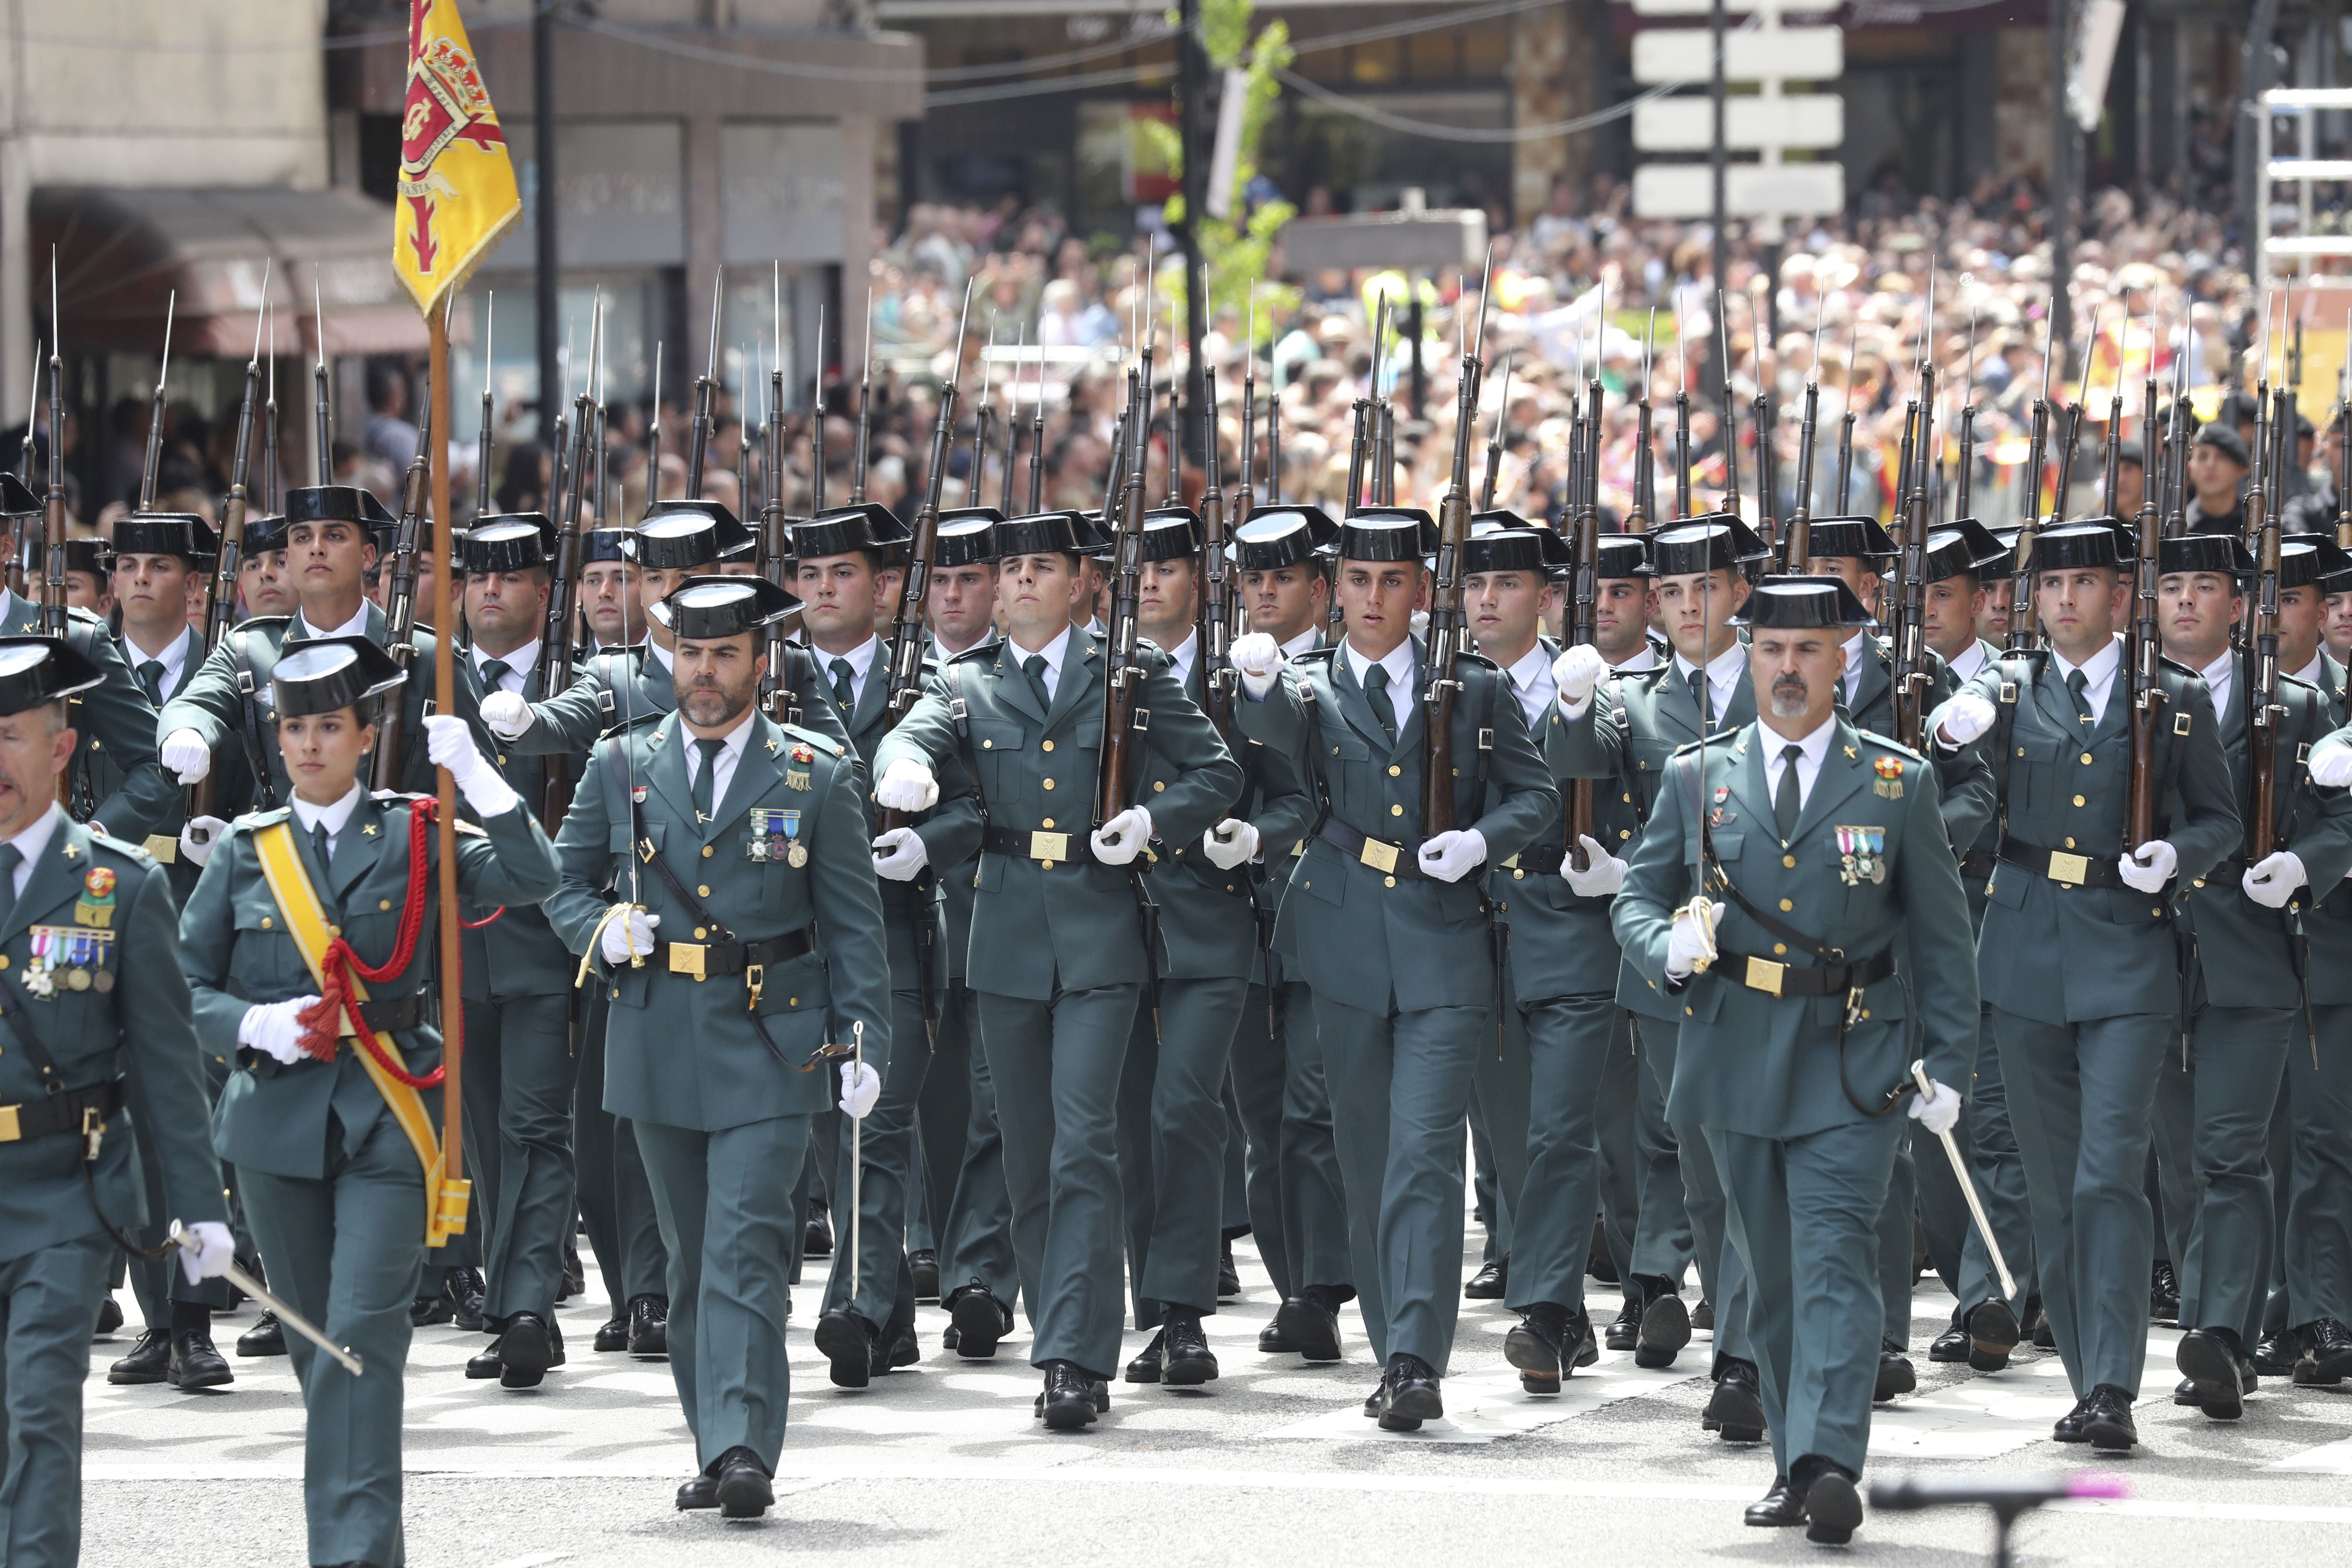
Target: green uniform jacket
x: 1635, y: 723
x: 2329, y: 923
x: 1963, y: 779
x: 2065, y: 954
x: 685, y: 1052
x: 1776, y: 1066
x: 232, y: 780
x: 620, y: 686
x: 1398, y: 944
x: 2247, y: 955
x: 237, y: 950
x: 113, y: 719
x: 1036, y: 771
x: 519, y: 954
x: 949, y: 838
x: 210, y: 703
x: 137, y: 1024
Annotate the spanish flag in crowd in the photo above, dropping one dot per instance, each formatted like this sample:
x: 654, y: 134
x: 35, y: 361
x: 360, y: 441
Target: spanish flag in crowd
x: 458, y: 193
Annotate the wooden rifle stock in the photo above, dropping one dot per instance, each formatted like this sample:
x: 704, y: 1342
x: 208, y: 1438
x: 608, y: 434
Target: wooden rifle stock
x: 400, y: 616
x: 220, y: 609
x: 906, y: 624
x: 1911, y: 677
x: 1445, y: 620
x: 1122, y: 676
x: 2263, y: 706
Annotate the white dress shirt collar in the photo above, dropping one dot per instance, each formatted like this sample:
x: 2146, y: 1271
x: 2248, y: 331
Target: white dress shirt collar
x: 669, y: 658
x: 722, y: 767
x: 1181, y: 656
x: 1644, y: 660
x: 334, y: 816
x: 2098, y: 674
x: 2218, y: 676
x: 1532, y: 684
x: 173, y: 658
x: 34, y: 842
x: 1969, y: 659
x: 1052, y: 653
x: 1304, y: 642
x: 355, y: 627
x: 1398, y: 662
x: 2315, y: 673
x: 519, y: 663
x: 1855, y: 647
x: 861, y: 663
x: 1722, y: 675
x: 1810, y: 750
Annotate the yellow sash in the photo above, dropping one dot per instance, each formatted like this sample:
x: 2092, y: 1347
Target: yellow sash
x: 282, y: 864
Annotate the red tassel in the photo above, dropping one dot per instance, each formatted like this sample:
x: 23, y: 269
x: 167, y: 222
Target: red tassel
x: 321, y: 1019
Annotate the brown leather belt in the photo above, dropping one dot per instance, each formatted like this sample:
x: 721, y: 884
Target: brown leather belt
x: 704, y: 958
x: 1778, y: 979
x: 1394, y: 860
x: 2059, y: 866
x: 72, y: 1111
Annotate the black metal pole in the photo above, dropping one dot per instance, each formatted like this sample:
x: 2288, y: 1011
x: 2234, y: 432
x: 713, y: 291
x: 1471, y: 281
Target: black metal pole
x: 548, y: 282
x: 2062, y: 142
x: 1192, y: 90
x: 1720, y: 205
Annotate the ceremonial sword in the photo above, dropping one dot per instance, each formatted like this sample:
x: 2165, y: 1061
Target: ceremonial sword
x: 286, y: 1315
x: 1967, y: 1189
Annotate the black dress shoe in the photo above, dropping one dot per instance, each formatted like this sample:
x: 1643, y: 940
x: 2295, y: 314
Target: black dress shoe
x: 1374, y: 1400
x: 1072, y: 1397
x: 2069, y: 1428
x: 1229, y: 1278
x: 2108, y: 1419
x: 427, y: 1311
x: 266, y: 1337
x: 1665, y: 1326
x: 575, y: 1279
x: 1490, y: 1282
x: 1145, y: 1367
x: 1776, y: 1508
x: 1895, y: 1373
x: 150, y: 1359
x: 702, y: 1491
x: 2208, y: 1358
x: 2275, y: 1354
x: 2326, y: 1353
x: 526, y: 1350
x: 950, y: 1338
x: 1951, y: 1345
x: 1992, y: 1334
x: 816, y: 1241
x: 110, y: 1316
x: 2184, y: 1393
x: 2249, y: 1381
x: 1735, y: 1412
x: 1703, y: 1315
x: 1588, y: 1349
x: 1624, y: 1329
x: 484, y: 1362
x: 1272, y: 1340
x: 980, y: 1320
x: 1832, y: 1507
x: 2035, y: 1326
x: 196, y: 1363
x: 2163, y: 1293
x: 903, y: 1349
x: 649, y: 1325
x: 1598, y: 1263
x: 1410, y: 1395
x: 1311, y: 1322
x: 925, y: 1266
x: 847, y: 1341
x: 743, y: 1488
x: 1542, y: 1346
x: 613, y: 1335
x: 1188, y: 1362
x: 466, y: 1291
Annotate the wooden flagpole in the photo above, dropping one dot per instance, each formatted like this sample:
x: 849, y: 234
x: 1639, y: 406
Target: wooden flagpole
x: 445, y: 700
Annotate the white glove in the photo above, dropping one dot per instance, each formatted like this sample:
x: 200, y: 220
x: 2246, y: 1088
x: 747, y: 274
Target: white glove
x: 861, y: 1086
x: 505, y: 714
x: 1606, y: 875
x: 906, y: 786
x: 900, y: 855
x: 207, y: 1249
x: 1578, y: 672
x: 449, y: 742
x: 1122, y: 838
x: 1229, y: 843
x: 2273, y: 880
x: 1259, y: 658
x: 199, y: 838
x: 1968, y: 716
x: 185, y: 752
x: 628, y: 936
x: 2331, y: 766
x: 1691, y: 942
x: 2149, y: 867
x: 1938, y: 1109
x: 1450, y: 856
x: 275, y: 1028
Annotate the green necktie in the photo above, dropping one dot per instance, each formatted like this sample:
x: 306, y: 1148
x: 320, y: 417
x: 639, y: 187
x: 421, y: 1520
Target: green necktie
x: 10, y: 858
x: 844, y: 687
x: 704, y: 810
x: 321, y: 844
x: 1036, y: 665
x: 2075, y: 681
x: 1698, y: 695
x: 1376, y: 692
x: 150, y: 676
x: 1788, y: 800
x: 494, y: 674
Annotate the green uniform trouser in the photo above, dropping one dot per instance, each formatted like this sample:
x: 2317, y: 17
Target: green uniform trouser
x: 519, y: 1082
x: 1296, y: 1209
x: 1804, y: 1214
x: 1171, y: 1143
x: 1400, y: 1100
x: 48, y: 1301
x: 1898, y: 1267
x: 616, y: 1205
x: 1056, y: 1066
x: 963, y: 1157
x: 2318, y: 1246
x: 1662, y: 1244
x: 2084, y: 1097
x: 724, y: 1199
x: 886, y: 1284
x: 1564, y: 1044
x: 1722, y: 1273
x: 346, y: 1251
x: 1615, y: 1107
x: 2212, y: 1152
x: 1989, y: 1145
x: 157, y: 1282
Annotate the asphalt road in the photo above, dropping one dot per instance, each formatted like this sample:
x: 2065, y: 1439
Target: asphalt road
x: 942, y: 1463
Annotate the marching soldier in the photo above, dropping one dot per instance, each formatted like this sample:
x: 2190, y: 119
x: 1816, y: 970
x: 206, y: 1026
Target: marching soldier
x: 338, y: 1155
x: 1389, y: 928
x: 2085, y: 986
x: 93, y: 1004
x: 1059, y: 956
x: 2311, y: 1299
x: 1796, y: 1027
x: 746, y: 953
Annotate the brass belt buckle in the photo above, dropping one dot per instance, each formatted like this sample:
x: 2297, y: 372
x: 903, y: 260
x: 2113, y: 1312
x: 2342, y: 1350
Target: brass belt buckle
x: 10, y: 1130
x: 686, y: 958
x: 1763, y: 975
x: 2071, y: 869
x: 93, y: 1132
x: 1049, y: 846
x: 1379, y: 856
x: 755, y: 976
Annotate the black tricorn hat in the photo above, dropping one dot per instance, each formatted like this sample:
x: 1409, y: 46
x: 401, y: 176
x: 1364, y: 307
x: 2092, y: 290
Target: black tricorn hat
x: 1624, y: 555
x: 507, y: 542
x: 2091, y: 541
x: 180, y: 534
x: 702, y: 608
x: 34, y: 670
x: 1513, y: 547
x: 1963, y: 545
x: 2336, y: 582
x: 1282, y: 536
x: 2222, y: 554
x: 680, y: 535
x: 337, y: 503
x: 1858, y: 536
x: 1170, y: 534
x: 2224, y: 437
x: 2310, y: 558
x: 16, y: 499
x: 1796, y: 603
x: 603, y: 544
x: 966, y: 537
x: 264, y: 532
x: 1097, y: 535
x: 89, y: 555
x: 1040, y: 533
x: 319, y: 675
x: 1714, y: 542
x: 848, y: 529
x: 1387, y: 534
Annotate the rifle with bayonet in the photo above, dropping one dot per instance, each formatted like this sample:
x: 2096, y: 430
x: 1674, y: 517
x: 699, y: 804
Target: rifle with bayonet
x: 1446, y: 593
x: 220, y: 610
x: 1124, y: 674
x: 778, y: 700
x: 1911, y: 677
x: 2144, y: 641
x: 1584, y: 622
x: 1797, y: 548
x: 1495, y: 444
x: 2263, y: 710
x: 2023, y: 627
x: 1245, y: 498
x: 400, y: 608
x: 53, y: 504
x: 553, y: 666
x: 1214, y: 623
x: 706, y: 391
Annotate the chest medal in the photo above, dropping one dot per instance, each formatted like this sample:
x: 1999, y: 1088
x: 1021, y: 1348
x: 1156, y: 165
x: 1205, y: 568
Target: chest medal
x: 797, y: 776
x: 1888, y: 784
x: 1862, y: 855
x: 96, y: 905
x: 776, y: 836
x: 73, y: 957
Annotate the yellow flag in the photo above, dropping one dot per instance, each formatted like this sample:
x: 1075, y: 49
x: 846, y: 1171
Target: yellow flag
x: 458, y: 193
